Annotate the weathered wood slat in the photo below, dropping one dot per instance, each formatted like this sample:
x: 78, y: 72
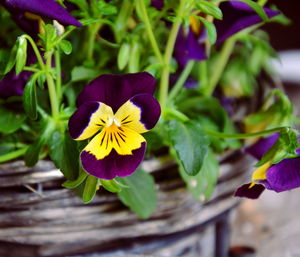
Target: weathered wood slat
x: 53, y: 221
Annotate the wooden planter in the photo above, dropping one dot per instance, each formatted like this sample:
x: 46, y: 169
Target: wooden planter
x: 40, y: 218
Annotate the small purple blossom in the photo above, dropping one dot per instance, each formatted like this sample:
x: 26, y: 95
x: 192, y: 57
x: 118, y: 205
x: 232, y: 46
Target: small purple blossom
x: 278, y: 177
x: 120, y: 108
x: 158, y: 4
x: 28, y: 14
x: 12, y: 84
x: 190, y: 42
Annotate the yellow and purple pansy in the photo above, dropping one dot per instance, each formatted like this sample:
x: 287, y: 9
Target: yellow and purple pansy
x: 279, y: 177
x: 116, y: 110
x: 29, y: 14
x: 190, y: 43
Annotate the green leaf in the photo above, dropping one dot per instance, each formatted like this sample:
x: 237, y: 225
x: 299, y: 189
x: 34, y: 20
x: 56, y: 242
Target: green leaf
x: 123, y: 56
x: 21, y: 56
x: 65, y: 46
x: 10, y: 121
x: 257, y: 8
x: 30, y: 98
x: 41, y: 79
x: 49, y: 37
x: 134, y: 60
x: 13, y: 155
x: 140, y: 196
x: 80, y: 73
x: 111, y: 185
x: 210, y: 9
x: 64, y: 153
x: 106, y: 8
x: 11, y: 60
x: 82, y: 4
x: 4, y: 56
x: 202, y: 185
x: 75, y: 183
x: 90, y: 188
x: 32, y: 154
x: 285, y: 147
x: 211, y: 29
x: 190, y: 143
x: 276, y: 111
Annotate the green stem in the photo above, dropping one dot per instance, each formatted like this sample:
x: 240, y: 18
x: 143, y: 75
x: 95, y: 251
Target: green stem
x: 203, y: 75
x: 13, y: 155
x: 183, y: 77
x: 58, y: 73
x: 164, y: 82
x: 121, y: 21
x: 244, y: 135
x: 31, y: 69
x: 36, y: 51
x: 107, y: 43
x: 93, y: 30
x: 220, y: 65
x: 51, y: 87
x: 172, y: 113
x: 144, y: 14
x: 63, y: 36
x: 262, y: 2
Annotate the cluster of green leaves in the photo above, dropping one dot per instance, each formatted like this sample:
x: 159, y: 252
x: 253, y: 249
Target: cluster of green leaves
x: 284, y: 148
x: 116, y: 38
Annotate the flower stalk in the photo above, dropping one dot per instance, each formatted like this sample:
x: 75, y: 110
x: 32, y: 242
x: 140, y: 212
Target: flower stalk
x: 183, y: 77
x: 220, y: 66
x: 164, y: 82
x: 51, y: 86
x: 144, y: 14
x: 244, y: 135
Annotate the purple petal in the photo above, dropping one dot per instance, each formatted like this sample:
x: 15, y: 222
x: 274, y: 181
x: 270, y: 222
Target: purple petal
x: 12, y: 84
x: 150, y: 109
x: 284, y: 175
x: 190, y: 47
x: 158, y: 4
x: 237, y: 16
x: 190, y: 82
x: 113, y: 165
x: 258, y: 149
x: 31, y: 27
x: 114, y: 89
x: 46, y: 9
x: 80, y: 120
x: 253, y: 193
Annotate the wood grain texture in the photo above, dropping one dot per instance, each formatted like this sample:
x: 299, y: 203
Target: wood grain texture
x: 40, y: 218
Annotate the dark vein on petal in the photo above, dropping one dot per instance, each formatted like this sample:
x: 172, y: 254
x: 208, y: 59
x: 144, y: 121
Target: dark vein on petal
x: 107, y: 141
x: 103, y: 138
x: 117, y: 139
x: 125, y: 118
x: 127, y: 122
x: 121, y: 137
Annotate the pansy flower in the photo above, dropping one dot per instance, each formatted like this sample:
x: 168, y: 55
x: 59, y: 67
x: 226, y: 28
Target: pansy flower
x: 29, y: 14
x: 279, y: 177
x: 12, y: 84
x: 190, y: 43
x: 115, y: 109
